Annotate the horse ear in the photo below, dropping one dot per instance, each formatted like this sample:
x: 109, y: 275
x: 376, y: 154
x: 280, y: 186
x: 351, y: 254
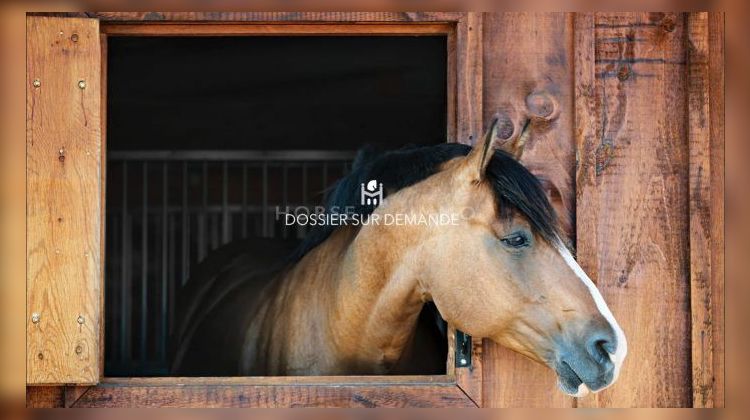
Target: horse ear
x: 480, y: 155
x: 515, y: 146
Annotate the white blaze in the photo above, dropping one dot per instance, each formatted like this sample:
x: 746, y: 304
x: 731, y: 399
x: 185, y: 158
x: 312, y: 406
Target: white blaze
x: 622, y: 345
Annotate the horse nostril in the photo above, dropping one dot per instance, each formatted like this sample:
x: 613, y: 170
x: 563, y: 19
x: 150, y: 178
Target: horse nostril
x: 608, y: 346
x: 601, y: 345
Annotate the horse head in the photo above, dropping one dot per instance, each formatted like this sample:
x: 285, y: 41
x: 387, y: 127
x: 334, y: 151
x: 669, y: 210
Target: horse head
x: 503, y: 272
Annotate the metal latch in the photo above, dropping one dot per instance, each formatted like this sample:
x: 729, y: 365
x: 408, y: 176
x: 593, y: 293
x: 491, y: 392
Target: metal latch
x: 463, y: 349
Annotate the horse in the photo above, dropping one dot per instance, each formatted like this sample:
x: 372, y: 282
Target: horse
x: 349, y: 299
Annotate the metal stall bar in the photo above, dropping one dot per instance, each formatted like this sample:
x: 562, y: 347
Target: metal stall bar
x: 125, y: 316
x: 244, y: 200
x: 171, y: 296
x: 185, y: 226
x: 202, y: 215
x: 285, y: 194
x: 144, y: 264
x: 164, y: 258
x: 113, y: 243
x: 225, y: 221
x: 264, y: 216
x: 232, y: 155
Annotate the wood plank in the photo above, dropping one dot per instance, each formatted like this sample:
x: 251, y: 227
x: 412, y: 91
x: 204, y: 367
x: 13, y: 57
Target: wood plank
x: 716, y: 30
x: 53, y: 396
x: 352, y: 17
x: 103, y: 219
x: 261, y: 29
x: 45, y: 396
x: 528, y: 75
x: 699, y: 137
x: 527, y: 58
x: 469, y: 78
x: 209, y: 396
x: 468, y: 122
x: 632, y: 195
x: 452, y: 92
x: 63, y: 200
x: 443, y: 380
x: 706, y: 207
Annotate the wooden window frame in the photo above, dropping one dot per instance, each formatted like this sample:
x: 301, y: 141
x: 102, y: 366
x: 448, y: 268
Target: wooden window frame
x: 459, y: 387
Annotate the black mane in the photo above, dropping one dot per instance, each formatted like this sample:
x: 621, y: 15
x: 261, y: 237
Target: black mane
x: 515, y: 188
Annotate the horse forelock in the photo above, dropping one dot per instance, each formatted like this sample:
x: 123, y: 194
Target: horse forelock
x: 515, y: 188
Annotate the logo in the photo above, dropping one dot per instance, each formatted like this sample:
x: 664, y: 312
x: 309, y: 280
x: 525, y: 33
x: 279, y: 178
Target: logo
x: 371, y: 193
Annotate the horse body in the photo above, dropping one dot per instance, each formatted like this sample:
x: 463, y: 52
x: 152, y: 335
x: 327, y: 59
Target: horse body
x: 338, y: 311
x: 290, y: 333
x: 351, y: 302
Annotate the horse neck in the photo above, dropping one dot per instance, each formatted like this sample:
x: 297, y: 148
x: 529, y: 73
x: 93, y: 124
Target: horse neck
x: 377, y: 296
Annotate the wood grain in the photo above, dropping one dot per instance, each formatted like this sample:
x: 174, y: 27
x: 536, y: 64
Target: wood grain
x: 638, y: 97
x: 632, y: 195
x: 528, y: 75
x: 469, y: 78
x: 699, y: 137
x: 530, y: 54
x: 53, y: 396
x: 45, y: 396
x: 208, y: 396
x: 103, y: 204
x: 352, y: 17
x: 372, y: 380
x: 265, y: 29
x: 63, y: 200
x: 716, y: 30
x: 706, y: 212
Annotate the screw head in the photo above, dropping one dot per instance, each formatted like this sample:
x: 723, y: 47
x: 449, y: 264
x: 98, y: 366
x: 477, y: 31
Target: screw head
x: 35, y: 317
x: 463, y: 361
x: 82, y: 84
x: 74, y: 37
x: 37, y: 83
x: 81, y: 319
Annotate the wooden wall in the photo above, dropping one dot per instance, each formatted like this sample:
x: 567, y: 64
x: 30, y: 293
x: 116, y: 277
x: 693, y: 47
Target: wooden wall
x: 632, y: 196
x: 627, y: 131
x: 528, y: 74
x: 634, y: 155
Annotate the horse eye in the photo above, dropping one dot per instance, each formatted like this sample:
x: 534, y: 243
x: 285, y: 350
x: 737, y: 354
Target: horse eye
x: 515, y: 240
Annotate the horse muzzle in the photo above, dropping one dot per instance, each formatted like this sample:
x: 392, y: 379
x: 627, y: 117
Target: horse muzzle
x: 587, y: 364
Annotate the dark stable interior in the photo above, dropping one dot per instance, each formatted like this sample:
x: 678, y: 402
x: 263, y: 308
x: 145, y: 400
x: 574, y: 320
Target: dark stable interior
x: 268, y: 93
x: 281, y: 94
